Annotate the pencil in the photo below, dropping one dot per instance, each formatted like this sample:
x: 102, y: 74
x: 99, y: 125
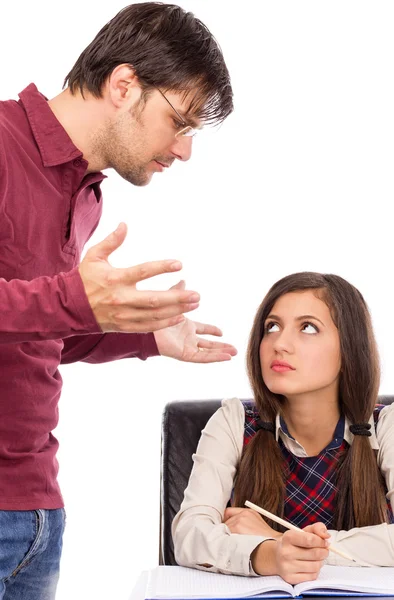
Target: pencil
x: 288, y: 525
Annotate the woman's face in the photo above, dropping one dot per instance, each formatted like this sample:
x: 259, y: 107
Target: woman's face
x: 300, y: 350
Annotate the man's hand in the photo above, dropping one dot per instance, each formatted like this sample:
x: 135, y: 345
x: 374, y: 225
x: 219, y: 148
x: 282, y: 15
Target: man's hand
x: 182, y: 341
x: 113, y: 296
x: 248, y: 522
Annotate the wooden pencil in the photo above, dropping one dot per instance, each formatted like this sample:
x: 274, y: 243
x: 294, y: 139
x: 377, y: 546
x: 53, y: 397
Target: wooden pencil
x: 288, y: 525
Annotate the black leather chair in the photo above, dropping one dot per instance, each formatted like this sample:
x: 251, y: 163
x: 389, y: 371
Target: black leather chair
x: 182, y: 424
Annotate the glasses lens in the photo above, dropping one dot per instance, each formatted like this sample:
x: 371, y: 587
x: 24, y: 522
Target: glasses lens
x: 187, y: 132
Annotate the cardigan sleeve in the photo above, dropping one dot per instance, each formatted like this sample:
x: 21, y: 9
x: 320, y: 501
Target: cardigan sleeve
x: 373, y: 545
x: 201, y: 539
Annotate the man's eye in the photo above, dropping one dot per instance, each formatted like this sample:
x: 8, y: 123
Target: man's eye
x: 178, y: 124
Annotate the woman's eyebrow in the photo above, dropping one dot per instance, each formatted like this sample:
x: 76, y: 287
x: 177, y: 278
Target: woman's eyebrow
x: 273, y: 317
x: 301, y: 318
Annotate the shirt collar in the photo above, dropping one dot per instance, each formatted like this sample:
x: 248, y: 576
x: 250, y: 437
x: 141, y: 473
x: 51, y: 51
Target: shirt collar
x: 342, y: 431
x: 54, y: 143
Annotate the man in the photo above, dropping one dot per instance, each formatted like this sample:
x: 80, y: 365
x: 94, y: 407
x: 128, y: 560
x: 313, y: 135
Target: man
x: 136, y: 95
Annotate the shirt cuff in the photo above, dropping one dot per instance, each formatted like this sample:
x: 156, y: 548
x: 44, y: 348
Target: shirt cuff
x: 237, y: 557
x: 149, y: 346
x: 75, y: 291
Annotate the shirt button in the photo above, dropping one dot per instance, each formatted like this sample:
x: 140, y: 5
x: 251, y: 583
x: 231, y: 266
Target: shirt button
x: 77, y: 162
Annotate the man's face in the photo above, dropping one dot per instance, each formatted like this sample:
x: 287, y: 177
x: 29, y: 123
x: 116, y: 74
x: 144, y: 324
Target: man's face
x: 141, y: 141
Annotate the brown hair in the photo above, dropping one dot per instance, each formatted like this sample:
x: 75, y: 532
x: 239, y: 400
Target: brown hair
x: 360, y: 498
x: 167, y: 48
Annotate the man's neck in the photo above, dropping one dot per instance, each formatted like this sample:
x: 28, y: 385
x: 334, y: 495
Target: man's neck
x: 81, y: 118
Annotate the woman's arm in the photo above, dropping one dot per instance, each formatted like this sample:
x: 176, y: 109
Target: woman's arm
x: 240, y: 544
x: 373, y: 545
x: 201, y: 539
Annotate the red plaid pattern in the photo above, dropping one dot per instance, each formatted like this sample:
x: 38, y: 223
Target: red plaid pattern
x: 310, y: 486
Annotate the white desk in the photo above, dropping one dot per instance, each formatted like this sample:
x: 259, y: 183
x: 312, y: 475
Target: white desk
x: 138, y: 592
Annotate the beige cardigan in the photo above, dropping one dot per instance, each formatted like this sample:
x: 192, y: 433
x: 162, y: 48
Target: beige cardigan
x: 201, y: 538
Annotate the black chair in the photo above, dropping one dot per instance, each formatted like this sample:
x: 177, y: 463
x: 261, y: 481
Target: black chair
x: 182, y: 424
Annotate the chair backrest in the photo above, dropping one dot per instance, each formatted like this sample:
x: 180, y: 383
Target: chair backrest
x: 182, y: 423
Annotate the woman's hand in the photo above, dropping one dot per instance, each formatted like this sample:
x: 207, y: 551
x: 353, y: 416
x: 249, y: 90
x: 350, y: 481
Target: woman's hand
x: 248, y: 522
x: 297, y: 556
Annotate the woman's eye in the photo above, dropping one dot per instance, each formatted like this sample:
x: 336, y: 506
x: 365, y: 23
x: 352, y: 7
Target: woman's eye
x: 271, y: 327
x: 309, y: 328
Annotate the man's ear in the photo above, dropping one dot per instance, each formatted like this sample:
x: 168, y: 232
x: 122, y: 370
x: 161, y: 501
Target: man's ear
x: 123, y: 87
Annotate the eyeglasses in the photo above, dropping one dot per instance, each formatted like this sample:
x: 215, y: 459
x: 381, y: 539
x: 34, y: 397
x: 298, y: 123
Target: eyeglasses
x: 187, y: 130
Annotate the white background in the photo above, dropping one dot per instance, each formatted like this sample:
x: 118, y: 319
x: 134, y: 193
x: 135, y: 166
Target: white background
x: 300, y: 177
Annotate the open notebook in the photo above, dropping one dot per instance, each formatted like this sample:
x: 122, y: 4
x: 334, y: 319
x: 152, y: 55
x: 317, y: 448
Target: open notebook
x: 182, y: 583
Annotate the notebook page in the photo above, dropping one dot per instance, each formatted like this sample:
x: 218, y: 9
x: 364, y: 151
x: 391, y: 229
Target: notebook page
x: 357, y: 579
x: 181, y: 582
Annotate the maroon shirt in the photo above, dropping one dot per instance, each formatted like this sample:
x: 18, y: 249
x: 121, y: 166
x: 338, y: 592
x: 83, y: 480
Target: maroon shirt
x: 49, y: 208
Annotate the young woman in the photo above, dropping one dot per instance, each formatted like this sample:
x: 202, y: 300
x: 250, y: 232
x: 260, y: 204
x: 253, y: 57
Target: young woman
x: 313, y: 447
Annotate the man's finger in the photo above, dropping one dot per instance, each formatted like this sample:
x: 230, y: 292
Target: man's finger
x: 103, y: 249
x: 179, y: 286
x: 205, y: 329
x: 141, y: 315
x: 210, y: 356
x: 210, y: 345
x: 132, y: 275
x: 147, y: 300
x: 144, y: 326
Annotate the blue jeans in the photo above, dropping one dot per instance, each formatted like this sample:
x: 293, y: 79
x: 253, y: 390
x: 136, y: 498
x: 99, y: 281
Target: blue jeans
x: 30, y: 549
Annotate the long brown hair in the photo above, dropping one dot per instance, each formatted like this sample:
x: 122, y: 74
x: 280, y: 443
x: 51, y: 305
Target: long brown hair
x: 168, y: 48
x: 261, y: 476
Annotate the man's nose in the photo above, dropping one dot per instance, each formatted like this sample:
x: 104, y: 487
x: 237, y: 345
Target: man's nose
x: 182, y: 147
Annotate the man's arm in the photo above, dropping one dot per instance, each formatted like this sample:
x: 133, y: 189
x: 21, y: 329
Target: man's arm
x: 105, y: 347
x: 44, y: 308
x: 92, y: 298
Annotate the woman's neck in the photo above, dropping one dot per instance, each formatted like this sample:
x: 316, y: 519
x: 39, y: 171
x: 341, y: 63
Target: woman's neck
x: 312, y: 418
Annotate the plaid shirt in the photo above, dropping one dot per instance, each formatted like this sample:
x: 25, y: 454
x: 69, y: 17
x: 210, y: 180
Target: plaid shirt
x: 310, y: 486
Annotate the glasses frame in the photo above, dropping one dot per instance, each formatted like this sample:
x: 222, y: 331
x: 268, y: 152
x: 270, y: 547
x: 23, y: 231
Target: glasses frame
x: 188, y: 130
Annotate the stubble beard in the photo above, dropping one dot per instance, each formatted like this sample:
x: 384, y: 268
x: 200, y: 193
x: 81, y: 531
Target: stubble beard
x: 122, y: 143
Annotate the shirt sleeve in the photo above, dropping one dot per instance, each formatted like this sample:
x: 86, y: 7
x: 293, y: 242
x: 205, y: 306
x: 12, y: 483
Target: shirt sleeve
x: 373, y: 545
x: 201, y: 540
x: 45, y: 308
x: 105, y: 347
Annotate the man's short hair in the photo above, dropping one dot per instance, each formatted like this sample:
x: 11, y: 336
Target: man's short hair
x: 167, y: 48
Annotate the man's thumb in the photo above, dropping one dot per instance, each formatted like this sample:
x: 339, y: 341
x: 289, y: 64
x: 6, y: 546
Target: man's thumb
x: 179, y: 286
x: 115, y: 239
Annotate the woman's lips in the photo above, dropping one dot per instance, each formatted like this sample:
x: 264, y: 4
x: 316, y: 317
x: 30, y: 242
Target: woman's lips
x: 281, y: 366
